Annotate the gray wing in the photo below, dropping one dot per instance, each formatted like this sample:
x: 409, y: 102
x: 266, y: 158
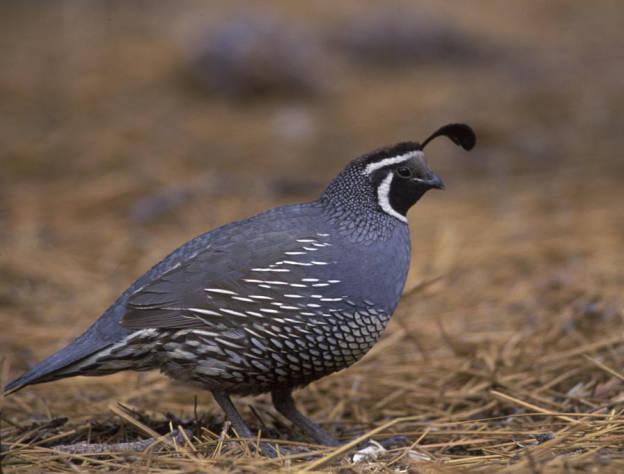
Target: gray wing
x: 278, y: 274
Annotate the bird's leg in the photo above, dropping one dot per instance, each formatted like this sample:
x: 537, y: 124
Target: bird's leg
x: 238, y: 423
x: 284, y: 403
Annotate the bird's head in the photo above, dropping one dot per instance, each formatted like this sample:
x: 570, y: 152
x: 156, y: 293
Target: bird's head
x: 396, y: 177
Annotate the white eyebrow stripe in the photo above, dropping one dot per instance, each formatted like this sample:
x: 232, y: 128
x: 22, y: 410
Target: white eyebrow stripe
x: 391, y: 161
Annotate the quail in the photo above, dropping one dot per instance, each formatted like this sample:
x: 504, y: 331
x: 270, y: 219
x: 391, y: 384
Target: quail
x: 273, y: 302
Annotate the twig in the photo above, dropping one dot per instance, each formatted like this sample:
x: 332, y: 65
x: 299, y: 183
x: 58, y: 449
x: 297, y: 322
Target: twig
x: 604, y: 367
x: 530, y: 406
x: 119, y: 410
x: 84, y: 447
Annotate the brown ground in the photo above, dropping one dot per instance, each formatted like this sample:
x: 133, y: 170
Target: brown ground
x: 508, y: 355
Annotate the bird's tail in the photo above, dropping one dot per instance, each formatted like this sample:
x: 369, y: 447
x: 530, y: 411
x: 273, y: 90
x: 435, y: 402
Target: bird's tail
x: 55, y: 367
x: 67, y: 362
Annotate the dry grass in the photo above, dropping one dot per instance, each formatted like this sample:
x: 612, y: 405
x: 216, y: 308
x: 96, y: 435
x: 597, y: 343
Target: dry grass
x: 507, y: 350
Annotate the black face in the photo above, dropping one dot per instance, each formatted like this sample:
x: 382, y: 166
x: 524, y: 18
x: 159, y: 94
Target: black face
x: 409, y: 183
x: 400, y: 185
x: 416, y: 172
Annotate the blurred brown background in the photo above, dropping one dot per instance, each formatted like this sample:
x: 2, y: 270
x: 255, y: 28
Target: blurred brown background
x: 127, y: 128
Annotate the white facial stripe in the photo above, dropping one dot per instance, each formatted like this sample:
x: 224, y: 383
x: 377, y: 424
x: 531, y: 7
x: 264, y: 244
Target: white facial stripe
x: 391, y: 161
x: 383, y: 197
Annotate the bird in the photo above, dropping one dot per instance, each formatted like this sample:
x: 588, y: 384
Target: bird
x: 273, y: 302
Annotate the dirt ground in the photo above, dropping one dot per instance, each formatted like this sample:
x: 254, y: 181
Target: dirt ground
x: 506, y: 352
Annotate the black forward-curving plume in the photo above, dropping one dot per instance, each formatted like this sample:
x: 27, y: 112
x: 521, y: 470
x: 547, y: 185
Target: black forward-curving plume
x: 459, y: 133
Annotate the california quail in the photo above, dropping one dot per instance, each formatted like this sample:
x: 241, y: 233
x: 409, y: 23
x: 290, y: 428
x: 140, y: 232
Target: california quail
x: 273, y: 302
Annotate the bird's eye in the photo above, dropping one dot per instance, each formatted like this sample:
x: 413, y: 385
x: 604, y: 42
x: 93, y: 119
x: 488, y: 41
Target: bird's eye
x: 404, y: 172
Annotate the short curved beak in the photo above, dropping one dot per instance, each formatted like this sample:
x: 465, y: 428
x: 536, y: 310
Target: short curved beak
x: 434, y: 182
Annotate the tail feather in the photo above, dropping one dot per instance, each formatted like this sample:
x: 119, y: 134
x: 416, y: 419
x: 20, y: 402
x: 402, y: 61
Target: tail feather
x: 103, y: 333
x: 31, y: 377
x: 54, y: 367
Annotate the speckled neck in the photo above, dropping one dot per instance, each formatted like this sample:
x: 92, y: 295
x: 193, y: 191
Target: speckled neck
x: 350, y: 202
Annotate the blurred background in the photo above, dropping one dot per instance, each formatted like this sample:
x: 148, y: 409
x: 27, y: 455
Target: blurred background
x: 127, y: 128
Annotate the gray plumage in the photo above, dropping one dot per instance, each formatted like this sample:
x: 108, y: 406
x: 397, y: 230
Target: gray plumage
x: 271, y: 302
